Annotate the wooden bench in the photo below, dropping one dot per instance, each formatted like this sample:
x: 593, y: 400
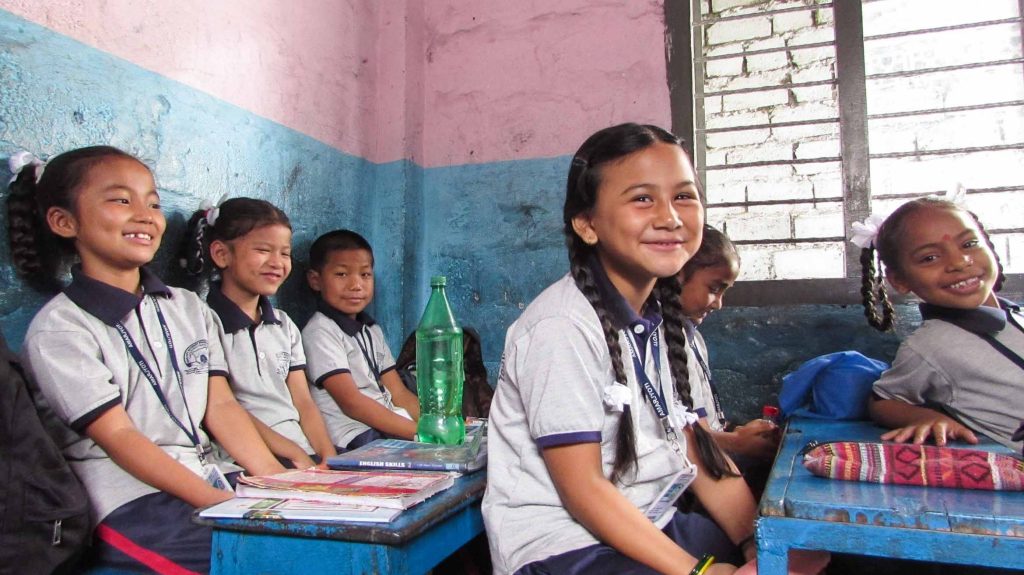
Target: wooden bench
x: 414, y: 543
x: 802, y: 511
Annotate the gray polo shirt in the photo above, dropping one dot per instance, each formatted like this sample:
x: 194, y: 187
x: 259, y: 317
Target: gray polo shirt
x: 700, y: 378
x: 335, y: 343
x: 947, y: 365
x: 260, y: 356
x: 81, y: 365
x: 555, y: 369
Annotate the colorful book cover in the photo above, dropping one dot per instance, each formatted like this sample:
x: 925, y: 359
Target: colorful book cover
x: 393, y: 489
x: 298, y: 510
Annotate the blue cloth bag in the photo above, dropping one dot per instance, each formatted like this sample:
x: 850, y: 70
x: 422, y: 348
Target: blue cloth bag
x: 832, y: 386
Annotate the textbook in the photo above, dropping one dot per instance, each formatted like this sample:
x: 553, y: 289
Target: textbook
x: 402, y: 454
x: 297, y: 509
x: 391, y: 489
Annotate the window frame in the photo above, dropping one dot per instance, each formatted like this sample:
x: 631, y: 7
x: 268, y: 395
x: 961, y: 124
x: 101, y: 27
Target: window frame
x: 685, y: 81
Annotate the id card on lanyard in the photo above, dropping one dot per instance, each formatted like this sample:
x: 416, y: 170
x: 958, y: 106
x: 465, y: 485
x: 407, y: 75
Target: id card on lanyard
x: 665, y: 501
x: 211, y: 473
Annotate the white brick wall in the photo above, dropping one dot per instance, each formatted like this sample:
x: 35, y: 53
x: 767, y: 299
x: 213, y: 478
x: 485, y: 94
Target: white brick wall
x: 760, y: 191
x: 809, y: 261
x: 817, y: 149
x: 790, y: 21
x: 754, y: 100
x: 736, y: 119
x: 737, y: 138
x: 752, y: 30
x: 726, y: 67
x: 769, y: 61
x: 738, y: 30
x: 822, y: 224
x: 723, y: 5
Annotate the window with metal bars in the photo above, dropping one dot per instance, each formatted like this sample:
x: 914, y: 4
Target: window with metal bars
x: 808, y: 115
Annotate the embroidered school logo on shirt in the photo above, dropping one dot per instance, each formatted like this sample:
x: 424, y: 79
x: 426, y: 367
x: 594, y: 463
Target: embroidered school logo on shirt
x: 283, y: 360
x: 197, y: 357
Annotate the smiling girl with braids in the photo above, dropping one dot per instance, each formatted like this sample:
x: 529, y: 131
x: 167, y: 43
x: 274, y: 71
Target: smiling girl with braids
x: 591, y: 417
x: 961, y: 371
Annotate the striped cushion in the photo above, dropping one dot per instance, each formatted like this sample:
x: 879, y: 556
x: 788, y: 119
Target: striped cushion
x: 906, y: 464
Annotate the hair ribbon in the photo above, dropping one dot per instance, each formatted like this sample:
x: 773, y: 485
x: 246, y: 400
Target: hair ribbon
x: 21, y: 160
x: 212, y: 211
x: 866, y: 233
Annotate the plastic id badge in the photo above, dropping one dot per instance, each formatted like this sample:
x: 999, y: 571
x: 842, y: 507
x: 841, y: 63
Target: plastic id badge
x: 215, y: 477
x: 668, y: 496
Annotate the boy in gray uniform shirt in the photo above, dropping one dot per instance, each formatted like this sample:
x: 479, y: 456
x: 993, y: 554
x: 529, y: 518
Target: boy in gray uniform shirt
x: 350, y: 368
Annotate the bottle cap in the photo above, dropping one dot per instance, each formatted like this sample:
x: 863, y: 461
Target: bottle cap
x: 769, y: 412
x: 438, y: 281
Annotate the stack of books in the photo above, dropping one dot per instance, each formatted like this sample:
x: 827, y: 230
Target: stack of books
x: 390, y: 489
x: 411, y: 455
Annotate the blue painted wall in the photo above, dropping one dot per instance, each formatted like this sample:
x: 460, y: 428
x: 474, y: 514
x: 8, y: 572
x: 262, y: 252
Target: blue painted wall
x: 57, y: 94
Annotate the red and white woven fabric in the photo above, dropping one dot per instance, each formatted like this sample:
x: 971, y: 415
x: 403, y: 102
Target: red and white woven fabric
x: 907, y: 464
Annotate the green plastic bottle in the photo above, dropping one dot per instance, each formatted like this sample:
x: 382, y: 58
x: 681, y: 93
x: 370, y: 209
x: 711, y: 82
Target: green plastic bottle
x: 439, y: 374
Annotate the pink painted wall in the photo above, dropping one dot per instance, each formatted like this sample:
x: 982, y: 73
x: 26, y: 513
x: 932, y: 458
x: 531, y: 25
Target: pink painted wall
x: 532, y: 78
x: 440, y: 82
x: 306, y: 64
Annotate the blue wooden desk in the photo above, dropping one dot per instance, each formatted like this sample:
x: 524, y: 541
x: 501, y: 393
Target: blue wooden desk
x: 414, y: 543
x: 802, y: 511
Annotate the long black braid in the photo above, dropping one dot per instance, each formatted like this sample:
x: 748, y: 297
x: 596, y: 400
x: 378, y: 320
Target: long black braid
x: 872, y: 290
x: 667, y: 291
x: 625, y: 452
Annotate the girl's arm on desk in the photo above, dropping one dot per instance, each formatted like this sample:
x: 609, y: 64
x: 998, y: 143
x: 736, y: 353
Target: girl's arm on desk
x: 915, y: 423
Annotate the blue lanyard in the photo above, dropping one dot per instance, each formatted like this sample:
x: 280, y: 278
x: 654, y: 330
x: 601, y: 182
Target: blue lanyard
x: 711, y: 382
x: 370, y: 355
x: 147, y: 372
x: 656, y: 396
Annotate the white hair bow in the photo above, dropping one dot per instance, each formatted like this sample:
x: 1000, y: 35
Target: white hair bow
x: 616, y: 397
x: 865, y: 233
x: 212, y: 210
x: 20, y: 160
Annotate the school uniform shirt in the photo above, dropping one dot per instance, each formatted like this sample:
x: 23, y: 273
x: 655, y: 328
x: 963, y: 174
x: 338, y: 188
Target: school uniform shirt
x: 948, y: 366
x: 81, y: 365
x: 334, y: 344
x: 555, y: 370
x: 701, y: 390
x: 260, y: 356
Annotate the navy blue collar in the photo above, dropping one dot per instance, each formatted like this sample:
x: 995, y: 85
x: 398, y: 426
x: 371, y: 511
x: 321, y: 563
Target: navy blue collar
x: 619, y: 311
x: 232, y: 316
x: 107, y: 303
x: 981, y: 320
x: 348, y: 325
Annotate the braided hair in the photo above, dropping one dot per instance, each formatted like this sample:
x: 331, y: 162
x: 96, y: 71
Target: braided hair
x: 584, y: 179
x: 885, y: 251
x: 236, y: 217
x: 38, y: 254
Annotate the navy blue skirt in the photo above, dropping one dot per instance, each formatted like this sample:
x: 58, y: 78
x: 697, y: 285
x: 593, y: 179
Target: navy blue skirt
x: 695, y: 533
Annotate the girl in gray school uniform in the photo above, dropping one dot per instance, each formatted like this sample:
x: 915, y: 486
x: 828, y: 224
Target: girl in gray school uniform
x: 249, y: 241
x: 130, y: 372
x: 592, y: 435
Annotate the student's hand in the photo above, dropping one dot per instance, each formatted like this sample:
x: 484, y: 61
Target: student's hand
x: 941, y: 428
x: 302, y: 461
x: 757, y: 438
